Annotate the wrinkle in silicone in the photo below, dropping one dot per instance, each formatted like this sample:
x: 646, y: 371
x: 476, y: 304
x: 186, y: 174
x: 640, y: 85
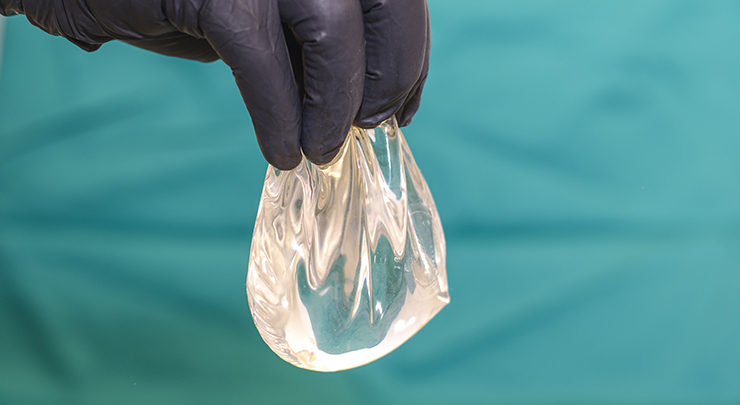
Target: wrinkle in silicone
x: 347, y: 259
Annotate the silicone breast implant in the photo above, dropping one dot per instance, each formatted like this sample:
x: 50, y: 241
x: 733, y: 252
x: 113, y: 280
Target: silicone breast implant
x: 347, y: 259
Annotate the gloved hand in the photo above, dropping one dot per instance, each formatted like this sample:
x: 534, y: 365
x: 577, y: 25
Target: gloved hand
x: 307, y: 69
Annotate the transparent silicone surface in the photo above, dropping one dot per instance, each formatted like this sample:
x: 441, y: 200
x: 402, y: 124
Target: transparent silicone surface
x: 347, y: 259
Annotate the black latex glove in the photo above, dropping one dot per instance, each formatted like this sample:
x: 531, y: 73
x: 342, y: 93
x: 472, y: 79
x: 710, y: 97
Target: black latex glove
x: 307, y: 69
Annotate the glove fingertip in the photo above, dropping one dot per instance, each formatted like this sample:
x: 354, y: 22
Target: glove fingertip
x: 373, y: 120
x: 283, y: 160
x: 320, y: 144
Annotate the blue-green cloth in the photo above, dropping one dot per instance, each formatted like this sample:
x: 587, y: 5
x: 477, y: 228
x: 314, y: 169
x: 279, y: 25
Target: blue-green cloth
x: 585, y: 161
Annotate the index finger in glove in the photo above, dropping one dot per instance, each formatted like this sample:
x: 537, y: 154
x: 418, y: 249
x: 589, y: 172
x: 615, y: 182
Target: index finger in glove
x: 411, y: 105
x: 331, y: 35
x: 396, y: 35
x: 247, y: 35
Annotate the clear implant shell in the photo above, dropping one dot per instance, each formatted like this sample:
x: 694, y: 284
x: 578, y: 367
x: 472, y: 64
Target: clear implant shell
x: 347, y: 259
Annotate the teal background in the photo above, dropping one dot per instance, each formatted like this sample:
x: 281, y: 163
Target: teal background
x: 584, y: 160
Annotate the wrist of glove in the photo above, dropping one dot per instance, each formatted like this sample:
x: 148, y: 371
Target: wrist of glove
x: 50, y: 16
x: 11, y: 7
x: 306, y: 69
